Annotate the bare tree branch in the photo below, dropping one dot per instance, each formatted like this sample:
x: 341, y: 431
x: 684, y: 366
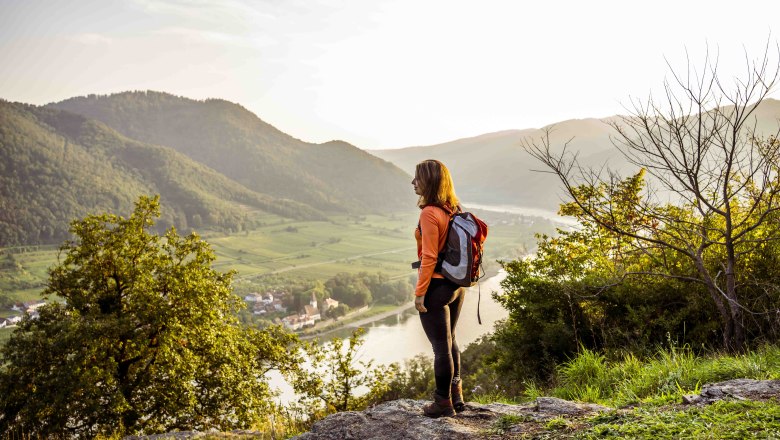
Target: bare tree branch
x: 701, y: 144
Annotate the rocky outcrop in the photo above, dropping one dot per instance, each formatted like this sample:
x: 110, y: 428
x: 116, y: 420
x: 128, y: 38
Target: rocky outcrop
x: 189, y: 435
x: 404, y: 419
x: 736, y: 389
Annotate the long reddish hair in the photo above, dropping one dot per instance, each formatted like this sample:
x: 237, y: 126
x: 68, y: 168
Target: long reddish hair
x: 436, y: 183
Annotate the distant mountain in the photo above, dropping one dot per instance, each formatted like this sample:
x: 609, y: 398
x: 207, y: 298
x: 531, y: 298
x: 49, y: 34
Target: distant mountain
x: 56, y: 166
x: 495, y: 169
x: 334, y: 176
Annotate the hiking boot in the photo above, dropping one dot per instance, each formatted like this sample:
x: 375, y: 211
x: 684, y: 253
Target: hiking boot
x: 456, y: 390
x: 440, y: 407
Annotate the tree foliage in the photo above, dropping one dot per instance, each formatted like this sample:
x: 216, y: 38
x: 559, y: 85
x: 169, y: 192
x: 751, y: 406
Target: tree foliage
x: 146, y: 340
x: 702, y: 146
x: 357, y: 290
x: 56, y: 166
x: 596, y: 288
x: 337, y: 380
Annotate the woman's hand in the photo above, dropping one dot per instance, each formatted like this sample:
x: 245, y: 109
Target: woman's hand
x: 418, y: 304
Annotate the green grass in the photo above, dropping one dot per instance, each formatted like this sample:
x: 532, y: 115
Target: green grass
x: 318, y: 250
x: 372, y: 243
x: 506, y: 422
x: 495, y: 397
x: 26, y: 282
x: 654, y: 388
x: 662, y: 379
x: 721, y: 420
x: 315, y: 250
x: 296, y: 249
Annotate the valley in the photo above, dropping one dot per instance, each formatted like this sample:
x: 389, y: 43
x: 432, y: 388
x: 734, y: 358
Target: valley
x: 285, y: 252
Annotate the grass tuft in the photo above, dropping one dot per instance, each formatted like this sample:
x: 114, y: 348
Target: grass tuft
x: 660, y: 380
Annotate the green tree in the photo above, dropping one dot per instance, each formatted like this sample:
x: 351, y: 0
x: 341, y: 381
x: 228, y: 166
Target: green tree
x: 337, y: 380
x: 339, y: 311
x: 413, y: 379
x: 146, y: 341
x: 594, y: 288
x: 349, y: 289
x: 702, y: 145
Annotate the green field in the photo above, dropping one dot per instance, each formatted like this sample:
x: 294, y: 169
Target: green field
x: 23, y: 274
x: 296, y: 249
x: 320, y: 249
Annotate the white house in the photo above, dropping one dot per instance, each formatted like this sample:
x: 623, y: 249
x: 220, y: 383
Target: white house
x: 331, y: 303
x: 260, y: 308
x: 33, y: 306
x: 295, y: 322
x: 292, y: 322
x: 311, y: 312
x: 253, y: 297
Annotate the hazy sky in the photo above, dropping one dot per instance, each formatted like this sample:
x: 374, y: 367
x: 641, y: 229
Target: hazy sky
x: 376, y: 73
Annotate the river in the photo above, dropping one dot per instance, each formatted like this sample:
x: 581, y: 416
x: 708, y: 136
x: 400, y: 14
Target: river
x: 401, y: 337
x: 526, y: 211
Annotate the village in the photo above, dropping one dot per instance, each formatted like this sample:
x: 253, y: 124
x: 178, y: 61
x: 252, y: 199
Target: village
x: 265, y: 304
x: 272, y: 302
x: 30, y: 307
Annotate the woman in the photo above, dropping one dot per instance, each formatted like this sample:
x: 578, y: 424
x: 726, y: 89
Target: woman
x: 437, y: 299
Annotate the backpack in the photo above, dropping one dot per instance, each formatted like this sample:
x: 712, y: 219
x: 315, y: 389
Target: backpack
x: 461, y: 258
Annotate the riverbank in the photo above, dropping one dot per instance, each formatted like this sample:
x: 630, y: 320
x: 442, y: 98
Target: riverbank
x: 490, y: 281
x: 375, y: 313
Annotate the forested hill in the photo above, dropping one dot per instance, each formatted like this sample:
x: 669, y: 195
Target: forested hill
x: 57, y: 166
x: 334, y: 176
x: 494, y: 168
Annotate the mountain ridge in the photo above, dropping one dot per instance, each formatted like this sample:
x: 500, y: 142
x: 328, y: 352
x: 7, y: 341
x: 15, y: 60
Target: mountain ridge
x: 58, y: 166
x: 230, y: 139
x: 493, y: 168
x: 155, y: 142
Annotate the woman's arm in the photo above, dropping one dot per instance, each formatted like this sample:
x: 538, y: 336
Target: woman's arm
x: 429, y: 226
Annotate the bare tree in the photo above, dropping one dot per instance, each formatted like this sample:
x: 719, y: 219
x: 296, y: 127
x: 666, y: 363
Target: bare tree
x: 701, y: 145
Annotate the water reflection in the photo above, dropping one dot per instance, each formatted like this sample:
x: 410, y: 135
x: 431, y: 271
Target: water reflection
x: 401, y: 336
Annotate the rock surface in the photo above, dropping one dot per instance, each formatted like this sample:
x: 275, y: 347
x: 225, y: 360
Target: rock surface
x: 188, y: 435
x: 404, y: 419
x: 736, y: 389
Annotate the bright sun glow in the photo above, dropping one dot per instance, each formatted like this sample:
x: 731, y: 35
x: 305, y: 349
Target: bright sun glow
x: 379, y: 73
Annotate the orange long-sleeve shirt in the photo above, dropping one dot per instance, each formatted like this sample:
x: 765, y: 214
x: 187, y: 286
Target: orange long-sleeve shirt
x: 433, y: 222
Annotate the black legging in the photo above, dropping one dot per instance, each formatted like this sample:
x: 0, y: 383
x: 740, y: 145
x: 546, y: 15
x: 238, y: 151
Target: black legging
x: 443, y: 299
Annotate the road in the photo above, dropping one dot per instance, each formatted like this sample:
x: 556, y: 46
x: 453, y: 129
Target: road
x: 364, y: 321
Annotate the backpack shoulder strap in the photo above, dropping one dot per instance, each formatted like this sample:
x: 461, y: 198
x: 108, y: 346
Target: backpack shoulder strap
x: 451, y: 214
